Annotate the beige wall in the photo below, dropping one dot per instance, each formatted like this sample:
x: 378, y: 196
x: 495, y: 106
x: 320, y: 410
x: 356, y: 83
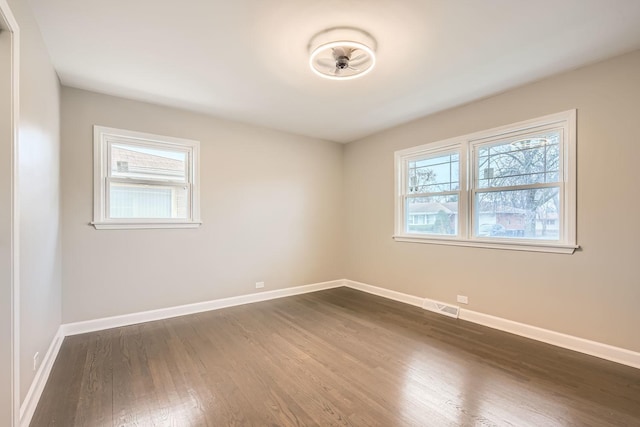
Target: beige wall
x: 39, y: 196
x: 594, y: 293
x: 270, y: 207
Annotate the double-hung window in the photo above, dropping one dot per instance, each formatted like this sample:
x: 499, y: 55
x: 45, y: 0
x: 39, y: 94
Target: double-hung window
x: 144, y: 181
x: 512, y: 187
x: 432, y: 197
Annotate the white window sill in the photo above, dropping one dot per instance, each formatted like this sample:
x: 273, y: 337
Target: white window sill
x: 491, y: 244
x: 140, y: 225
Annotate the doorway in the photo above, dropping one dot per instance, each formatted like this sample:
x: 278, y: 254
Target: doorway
x: 9, y: 405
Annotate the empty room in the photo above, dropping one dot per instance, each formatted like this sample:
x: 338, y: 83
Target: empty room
x: 314, y: 213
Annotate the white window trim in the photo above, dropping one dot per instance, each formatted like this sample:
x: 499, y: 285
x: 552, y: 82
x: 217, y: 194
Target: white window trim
x: 101, y: 221
x: 567, y: 243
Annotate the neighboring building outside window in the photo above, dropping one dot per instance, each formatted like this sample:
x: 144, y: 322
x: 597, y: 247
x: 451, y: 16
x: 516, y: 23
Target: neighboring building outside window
x: 512, y: 187
x: 144, y: 181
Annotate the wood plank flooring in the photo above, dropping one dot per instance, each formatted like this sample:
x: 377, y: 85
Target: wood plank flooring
x: 332, y: 358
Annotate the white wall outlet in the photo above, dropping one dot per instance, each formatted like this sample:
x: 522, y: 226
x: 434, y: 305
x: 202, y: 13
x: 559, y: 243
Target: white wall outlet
x: 463, y: 299
x: 35, y: 360
x: 259, y: 285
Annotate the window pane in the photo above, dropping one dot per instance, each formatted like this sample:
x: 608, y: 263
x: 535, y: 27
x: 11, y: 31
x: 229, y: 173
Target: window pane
x: 432, y: 215
x: 529, y: 214
x: 434, y: 174
x: 530, y: 160
x: 145, y: 201
x: 132, y: 161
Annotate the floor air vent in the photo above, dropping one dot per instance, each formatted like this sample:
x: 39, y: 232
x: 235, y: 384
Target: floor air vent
x: 438, y: 307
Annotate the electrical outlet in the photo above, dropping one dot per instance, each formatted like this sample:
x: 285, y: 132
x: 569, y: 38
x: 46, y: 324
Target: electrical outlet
x: 35, y: 360
x: 463, y: 299
x: 259, y: 285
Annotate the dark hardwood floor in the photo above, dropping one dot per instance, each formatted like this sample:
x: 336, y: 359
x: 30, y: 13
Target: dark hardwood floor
x: 336, y: 357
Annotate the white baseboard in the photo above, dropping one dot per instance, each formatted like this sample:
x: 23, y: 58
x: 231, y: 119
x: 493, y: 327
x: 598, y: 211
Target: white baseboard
x: 593, y: 348
x: 28, y: 407
x: 426, y: 303
x: 386, y: 293
x: 581, y: 345
x: 199, y: 307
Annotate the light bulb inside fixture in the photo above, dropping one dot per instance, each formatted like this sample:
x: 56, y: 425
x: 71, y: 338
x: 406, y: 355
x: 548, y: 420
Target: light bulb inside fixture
x: 342, y: 54
x: 342, y: 62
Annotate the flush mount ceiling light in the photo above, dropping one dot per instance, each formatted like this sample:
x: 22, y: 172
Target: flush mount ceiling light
x: 342, y: 53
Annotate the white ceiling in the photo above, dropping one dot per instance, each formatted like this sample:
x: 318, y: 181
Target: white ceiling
x: 247, y: 60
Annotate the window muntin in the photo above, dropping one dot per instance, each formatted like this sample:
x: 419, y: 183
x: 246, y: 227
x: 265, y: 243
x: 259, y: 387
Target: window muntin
x: 517, y: 186
x: 520, y: 193
x: 434, y: 174
x: 144, y: 181
x: 529, y: 159
x: 431, y: 193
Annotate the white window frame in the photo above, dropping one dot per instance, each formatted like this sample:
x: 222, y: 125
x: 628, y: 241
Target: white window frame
x: 466, y: 145
x: 103, y: 138
x: 434, y: 150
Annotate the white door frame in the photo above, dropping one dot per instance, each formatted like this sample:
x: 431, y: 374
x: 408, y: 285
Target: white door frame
x: 10, y: 22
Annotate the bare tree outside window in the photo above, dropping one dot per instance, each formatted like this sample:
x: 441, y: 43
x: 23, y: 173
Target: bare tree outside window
x: 518, y: 186
x: 510, y: 187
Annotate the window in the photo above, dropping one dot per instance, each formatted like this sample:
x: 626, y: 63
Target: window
x: 144, y: 181
x: 512, y: 187
x: 433, y: 192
